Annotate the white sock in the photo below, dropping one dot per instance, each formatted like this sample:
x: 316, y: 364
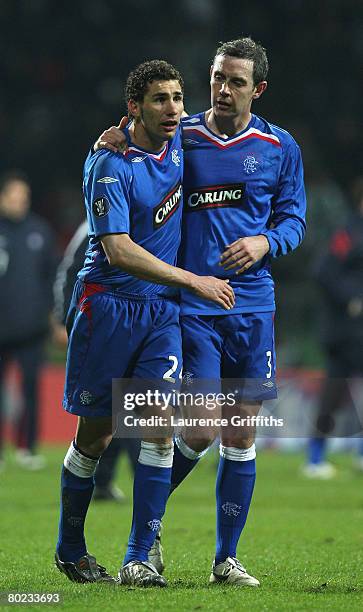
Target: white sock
x: 188, y: 452
x: 237, y: 454
x: 157, y: 455
x: 78, y: 463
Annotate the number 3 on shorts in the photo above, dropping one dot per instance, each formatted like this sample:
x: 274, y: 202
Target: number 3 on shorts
x: 269, y: 364
x: 169, y: 373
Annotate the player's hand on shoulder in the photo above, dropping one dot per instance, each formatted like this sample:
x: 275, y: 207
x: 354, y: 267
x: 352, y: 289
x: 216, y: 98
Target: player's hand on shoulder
x: 113, y: 138
x: 244, y: 252
x: 214, y: 289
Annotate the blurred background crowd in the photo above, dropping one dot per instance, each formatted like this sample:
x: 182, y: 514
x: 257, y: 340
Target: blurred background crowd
x: 63, y: 69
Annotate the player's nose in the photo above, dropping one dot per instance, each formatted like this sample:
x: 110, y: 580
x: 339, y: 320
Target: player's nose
x: 224, y: 90
x: 172, y: 108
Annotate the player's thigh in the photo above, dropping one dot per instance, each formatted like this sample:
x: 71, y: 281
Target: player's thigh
x: 104, y: 339
x: 202, y: 349
x: 160, y: 357
x: 158, y: 369
x: 249, y: 360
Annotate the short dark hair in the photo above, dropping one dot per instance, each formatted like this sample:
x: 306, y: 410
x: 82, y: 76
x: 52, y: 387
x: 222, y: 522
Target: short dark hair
x: 155, y: 70
x: 11, y: 176
x: 246, y: 48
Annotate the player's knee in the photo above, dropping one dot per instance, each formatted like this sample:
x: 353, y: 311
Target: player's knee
x: 194, y: 448
x: 95, y: 447
x: 199, y: 444
x: 238, y: 442
x: 93, y: 435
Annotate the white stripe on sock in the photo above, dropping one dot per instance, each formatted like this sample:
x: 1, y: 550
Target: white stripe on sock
x: 237, y: 454
x: 157, y: 455
x: 188, y: 452
x: 77, y: 463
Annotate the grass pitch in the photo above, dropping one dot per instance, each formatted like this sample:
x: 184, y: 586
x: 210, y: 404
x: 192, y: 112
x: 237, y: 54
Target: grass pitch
x: 303, y: 540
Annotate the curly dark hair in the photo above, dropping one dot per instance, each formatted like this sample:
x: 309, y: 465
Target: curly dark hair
x: 155, y: 70
x: 246, y: 48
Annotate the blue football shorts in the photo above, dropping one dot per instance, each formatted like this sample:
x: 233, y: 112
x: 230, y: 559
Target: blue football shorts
x: 111, y: 336
x: 238, y: 348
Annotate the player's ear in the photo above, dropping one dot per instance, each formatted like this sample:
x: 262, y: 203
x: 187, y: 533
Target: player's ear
x: 133, y: 108
x: 259, y: 89
x: 211, y: 70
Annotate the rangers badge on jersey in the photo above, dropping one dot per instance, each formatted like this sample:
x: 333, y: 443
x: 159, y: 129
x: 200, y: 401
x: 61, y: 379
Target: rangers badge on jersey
x: 101, y: 207
x: 169, y: 205
x: 250, y: 164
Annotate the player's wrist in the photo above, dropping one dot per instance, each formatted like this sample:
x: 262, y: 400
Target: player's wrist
x: 188, y: 280
x: 266, y: 241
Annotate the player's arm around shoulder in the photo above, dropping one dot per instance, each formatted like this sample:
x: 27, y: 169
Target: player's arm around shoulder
x: 123, y: 252
x: 113, y: 138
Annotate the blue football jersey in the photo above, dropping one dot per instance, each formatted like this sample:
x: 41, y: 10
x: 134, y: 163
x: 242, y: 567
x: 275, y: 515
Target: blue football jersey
x: 140, y: 194
x: 245, y: 185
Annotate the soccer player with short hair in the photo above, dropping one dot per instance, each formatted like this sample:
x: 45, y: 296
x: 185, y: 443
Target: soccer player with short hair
x: 244, y: 204
x: 124, y: 319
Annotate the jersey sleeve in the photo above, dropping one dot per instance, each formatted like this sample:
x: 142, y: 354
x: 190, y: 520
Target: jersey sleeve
x: 107, y: 187
x: 289, y: 204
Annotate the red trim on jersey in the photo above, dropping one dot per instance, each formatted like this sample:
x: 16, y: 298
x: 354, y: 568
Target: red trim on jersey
x: 160, y: 157
x: 236, y: 141
x: 88, y: 290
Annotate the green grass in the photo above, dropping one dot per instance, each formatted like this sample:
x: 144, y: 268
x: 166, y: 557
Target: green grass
x: 303, y: 540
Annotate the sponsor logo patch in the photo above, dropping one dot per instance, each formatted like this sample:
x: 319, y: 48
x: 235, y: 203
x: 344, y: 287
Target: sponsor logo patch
x: 216, y: 196
x: 101, y: 207
x: 170, y: 204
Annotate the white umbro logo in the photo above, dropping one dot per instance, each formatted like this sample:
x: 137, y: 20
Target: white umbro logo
x: 135, y: 160
x: 269, y: 384
x: 107, y: 179
x: 175, y: 157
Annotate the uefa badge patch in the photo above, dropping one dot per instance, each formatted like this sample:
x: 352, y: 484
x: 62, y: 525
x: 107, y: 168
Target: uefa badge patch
x: 101, y: 207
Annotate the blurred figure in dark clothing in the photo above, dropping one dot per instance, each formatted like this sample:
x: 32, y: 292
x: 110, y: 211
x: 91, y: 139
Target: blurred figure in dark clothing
x: 340, y: 276
x: 72, y: 262
x: 27, y: 268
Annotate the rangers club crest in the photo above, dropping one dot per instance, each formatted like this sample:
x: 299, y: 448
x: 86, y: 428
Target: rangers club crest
x: 250, y: 164
x: 154, y: 525
x: 231, y: 509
